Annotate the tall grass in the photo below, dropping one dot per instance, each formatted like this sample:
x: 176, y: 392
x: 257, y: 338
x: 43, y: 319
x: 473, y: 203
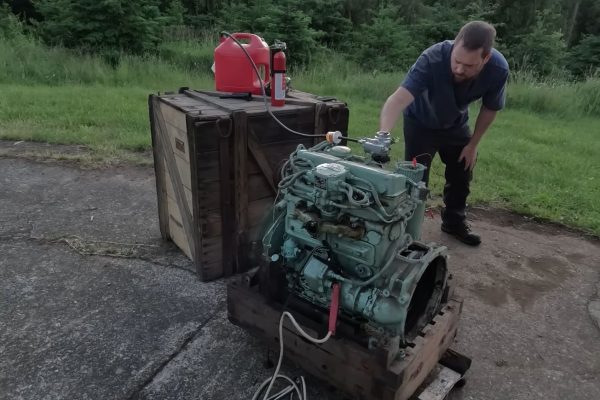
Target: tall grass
x: 540, y: 156
x: 25, y: 61
x: 187, y: 63
x: 333, y: 73
x: 189, y: 50
x: 557, y: 97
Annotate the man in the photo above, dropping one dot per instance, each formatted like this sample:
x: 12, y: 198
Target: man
x: 435, y: 97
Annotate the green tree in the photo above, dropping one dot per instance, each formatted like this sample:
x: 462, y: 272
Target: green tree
x: 173, y: 11
x: 10, y: 26
x: 282, y: 20
x: 327, y: 19
x: 384, y: 44
x: 441, y: 20
x: 541, y: 50
x: 584, y: 58
x: 108, y: 27
x: 580, y: 19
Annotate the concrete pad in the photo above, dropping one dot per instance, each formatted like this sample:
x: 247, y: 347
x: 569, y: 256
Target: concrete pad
x: 140, y: 325
x: 74, y: 327
x: 525, y: 319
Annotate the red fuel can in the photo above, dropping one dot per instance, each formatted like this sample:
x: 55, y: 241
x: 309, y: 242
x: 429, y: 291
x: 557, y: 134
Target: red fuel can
x: 233, y: 70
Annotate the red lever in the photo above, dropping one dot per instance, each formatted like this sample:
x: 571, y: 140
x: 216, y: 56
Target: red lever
x: 414, y: 162
x: 334, y: 307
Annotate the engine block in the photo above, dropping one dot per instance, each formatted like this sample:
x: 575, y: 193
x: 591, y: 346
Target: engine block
x: 343, y: 218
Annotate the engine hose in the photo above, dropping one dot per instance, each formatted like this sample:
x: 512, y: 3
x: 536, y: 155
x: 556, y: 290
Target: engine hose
x: 350, y: 190
x: 321, y: 146
x: 375, y: 196
x: 297, y: 164
x: 288, y: 180
x: 284, y: 167
x: 377, y: 214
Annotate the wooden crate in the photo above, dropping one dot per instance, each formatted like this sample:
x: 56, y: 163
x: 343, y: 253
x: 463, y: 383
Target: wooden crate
x: 217, y: 164
x: 361, y: 373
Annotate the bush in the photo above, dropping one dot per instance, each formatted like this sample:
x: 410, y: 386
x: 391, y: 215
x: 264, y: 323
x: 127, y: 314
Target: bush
x: 105, y: 27
x: 10, y: 26
x: 384, y: 44
x: 327, y: 19
x: 584, y: 58
x: 283, y: 20
x: 541, y: 50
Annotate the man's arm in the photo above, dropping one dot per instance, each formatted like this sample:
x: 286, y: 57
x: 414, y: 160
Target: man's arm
x: 415, y: 83
x: 492, y: 102
x: 469, y: 152
x: 393, y: 107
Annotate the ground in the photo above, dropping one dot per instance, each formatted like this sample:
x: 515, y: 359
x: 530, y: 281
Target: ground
x: 96, y: 306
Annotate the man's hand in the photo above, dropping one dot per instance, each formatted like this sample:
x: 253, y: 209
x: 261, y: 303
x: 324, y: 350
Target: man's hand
x: 469, y: 154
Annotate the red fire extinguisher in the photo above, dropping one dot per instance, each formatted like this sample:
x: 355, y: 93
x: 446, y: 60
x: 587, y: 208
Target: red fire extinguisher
x: 278, y: 70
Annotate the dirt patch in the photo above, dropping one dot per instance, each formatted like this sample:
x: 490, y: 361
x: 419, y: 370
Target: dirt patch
x: 77, y: 156
x: 507, y: 218
x: 529, y: 279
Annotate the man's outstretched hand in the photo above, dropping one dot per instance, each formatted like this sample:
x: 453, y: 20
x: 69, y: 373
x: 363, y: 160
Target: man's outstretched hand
x: 469, y: 155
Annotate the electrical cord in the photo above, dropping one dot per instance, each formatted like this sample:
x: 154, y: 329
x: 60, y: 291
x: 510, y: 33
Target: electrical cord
x: 293, y: 387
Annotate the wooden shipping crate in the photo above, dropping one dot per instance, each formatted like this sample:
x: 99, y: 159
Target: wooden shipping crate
x: 217, y: 162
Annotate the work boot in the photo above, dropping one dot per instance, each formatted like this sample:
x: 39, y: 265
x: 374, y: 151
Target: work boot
x: 462, y: 232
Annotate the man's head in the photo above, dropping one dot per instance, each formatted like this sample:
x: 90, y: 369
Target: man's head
x: 472, y: 49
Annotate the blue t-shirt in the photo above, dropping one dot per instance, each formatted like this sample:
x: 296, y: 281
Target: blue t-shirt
x: 440, y: 103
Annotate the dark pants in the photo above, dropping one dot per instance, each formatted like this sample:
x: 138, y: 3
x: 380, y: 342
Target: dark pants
x: 423, y: 144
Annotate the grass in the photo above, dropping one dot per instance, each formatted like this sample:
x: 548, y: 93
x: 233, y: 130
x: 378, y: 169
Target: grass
x: 542, y: 165
x: 539, y: 158
x: 536, y: 164
x: 26, y: 62
x: 188, y: 55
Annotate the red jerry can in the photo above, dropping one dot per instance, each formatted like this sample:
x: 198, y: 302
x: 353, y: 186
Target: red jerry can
x: 233, y: 70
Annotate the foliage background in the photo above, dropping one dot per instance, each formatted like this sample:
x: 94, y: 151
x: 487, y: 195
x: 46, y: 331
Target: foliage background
x: 558, y: 38
x: 79, y: 72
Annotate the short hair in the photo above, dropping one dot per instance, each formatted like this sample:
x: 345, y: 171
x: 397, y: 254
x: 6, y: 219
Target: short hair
x: 477, y: 35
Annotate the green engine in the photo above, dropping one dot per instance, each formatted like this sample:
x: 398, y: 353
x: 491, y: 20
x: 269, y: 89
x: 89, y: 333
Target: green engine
x: 343, y: 218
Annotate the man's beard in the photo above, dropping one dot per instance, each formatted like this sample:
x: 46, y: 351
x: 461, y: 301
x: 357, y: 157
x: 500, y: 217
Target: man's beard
x: 462, y: 78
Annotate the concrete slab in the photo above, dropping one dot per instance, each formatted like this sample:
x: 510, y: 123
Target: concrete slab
x: 140, y: 325
x: 74, y: 327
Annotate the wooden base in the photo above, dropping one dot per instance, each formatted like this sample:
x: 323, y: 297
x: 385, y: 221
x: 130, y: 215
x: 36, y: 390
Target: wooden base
x: 343, y: 363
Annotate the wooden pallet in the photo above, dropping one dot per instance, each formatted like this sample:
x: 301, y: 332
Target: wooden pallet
x: 360, y: 373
